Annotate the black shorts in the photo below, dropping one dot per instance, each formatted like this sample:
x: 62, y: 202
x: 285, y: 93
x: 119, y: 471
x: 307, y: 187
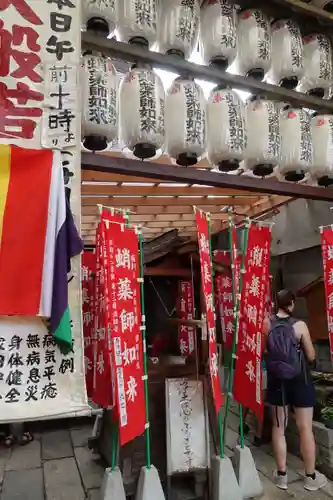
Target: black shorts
x: 296, y: 392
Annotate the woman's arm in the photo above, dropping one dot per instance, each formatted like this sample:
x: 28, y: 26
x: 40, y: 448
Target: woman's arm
x: 306, y: 341
x: 265, y: 331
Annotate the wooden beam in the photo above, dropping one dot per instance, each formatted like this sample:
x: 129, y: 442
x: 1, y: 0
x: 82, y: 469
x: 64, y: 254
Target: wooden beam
x: 135, y: 53
x: 204, y: 177
x: 176, y: 272
x: 307, y: 9
x: 91, y: 231
x: 124, y: 190
x: 137, y: 219
x: 167, y: 209
x: 92, y: 176
x: 161, y: 160
x: 157, y: 201
x: 149, y: 225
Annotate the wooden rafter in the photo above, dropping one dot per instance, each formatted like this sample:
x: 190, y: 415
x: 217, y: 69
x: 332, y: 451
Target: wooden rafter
x: 158, y: 200
x: 126, y: 190
x: 160, y: 206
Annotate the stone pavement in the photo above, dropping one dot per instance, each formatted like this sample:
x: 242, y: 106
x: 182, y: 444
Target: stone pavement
x: 59, y: 466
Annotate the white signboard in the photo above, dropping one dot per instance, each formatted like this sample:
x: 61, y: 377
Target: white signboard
x: 187, y: 426
x: 39, y: 64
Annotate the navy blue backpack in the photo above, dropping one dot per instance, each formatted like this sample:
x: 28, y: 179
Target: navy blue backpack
x: 284, y: 355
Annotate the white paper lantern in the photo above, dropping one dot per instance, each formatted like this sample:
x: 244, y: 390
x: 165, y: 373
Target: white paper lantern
x: 287, y: 54
x: 326, y: 5
x: 100, y: 16
x: 226, y: 132
x: 141, y: 112
x: 99, y: 84
x: 296, y: 144
x: 318, y: 76
x: 218, y: 36
x: 137, y: 22
x: 185, y: 122
x: 178, y: 27
x: 322, y: 140
x: 253, y: 44
x: 263, y: 136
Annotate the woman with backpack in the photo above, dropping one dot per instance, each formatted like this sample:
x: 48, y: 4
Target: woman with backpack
x: 289, y: 354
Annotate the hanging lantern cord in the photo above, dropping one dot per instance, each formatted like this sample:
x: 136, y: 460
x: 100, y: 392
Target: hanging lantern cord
x: 220, y: 418
x: 144, y: 345
x: 236, y: 299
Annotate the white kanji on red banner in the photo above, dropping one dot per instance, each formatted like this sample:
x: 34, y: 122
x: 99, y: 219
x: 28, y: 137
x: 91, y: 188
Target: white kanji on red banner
x: 186, y: 333
x: 127, y: 352
x: 88, y: 289
x: 207, y: 287
x: 248, y: 380
x: 327, y: 254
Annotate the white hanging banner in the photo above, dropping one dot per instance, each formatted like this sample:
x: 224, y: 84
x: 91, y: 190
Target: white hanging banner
x: 41, y: 46
x: 32, y: 370
x: 186, y: 425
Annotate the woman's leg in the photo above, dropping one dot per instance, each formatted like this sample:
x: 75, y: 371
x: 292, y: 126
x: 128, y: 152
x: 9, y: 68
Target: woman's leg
x: 313, y: 480
x: 304, y: 417
x: 280, y: 415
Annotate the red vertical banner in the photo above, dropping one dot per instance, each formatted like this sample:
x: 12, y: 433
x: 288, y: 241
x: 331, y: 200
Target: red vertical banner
x: 207, y: 285
x: 186, y: 333
x: 223, y: 285
x: 225, y: 304
x: 103, y: 376
x: 102, y: 381
x: 127, y: 349
x: 248, y: 381
x: 222, y: 257
x: 88, y: 284
x: 327, y: 253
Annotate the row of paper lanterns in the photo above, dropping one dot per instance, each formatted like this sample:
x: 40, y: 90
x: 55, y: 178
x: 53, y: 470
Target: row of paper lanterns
x: 258, y: 47
x: 270, y: 137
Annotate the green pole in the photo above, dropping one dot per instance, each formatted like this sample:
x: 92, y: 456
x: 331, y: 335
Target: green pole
x: 114, y: 440
x: 236, y: 295
x: 144, y: 345
x: 219, y: 416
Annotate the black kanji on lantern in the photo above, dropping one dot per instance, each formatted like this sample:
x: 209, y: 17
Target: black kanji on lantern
x: 237, y: 135
x: 296, y: 44
x: 274, y: 138
x: 306, y: 151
